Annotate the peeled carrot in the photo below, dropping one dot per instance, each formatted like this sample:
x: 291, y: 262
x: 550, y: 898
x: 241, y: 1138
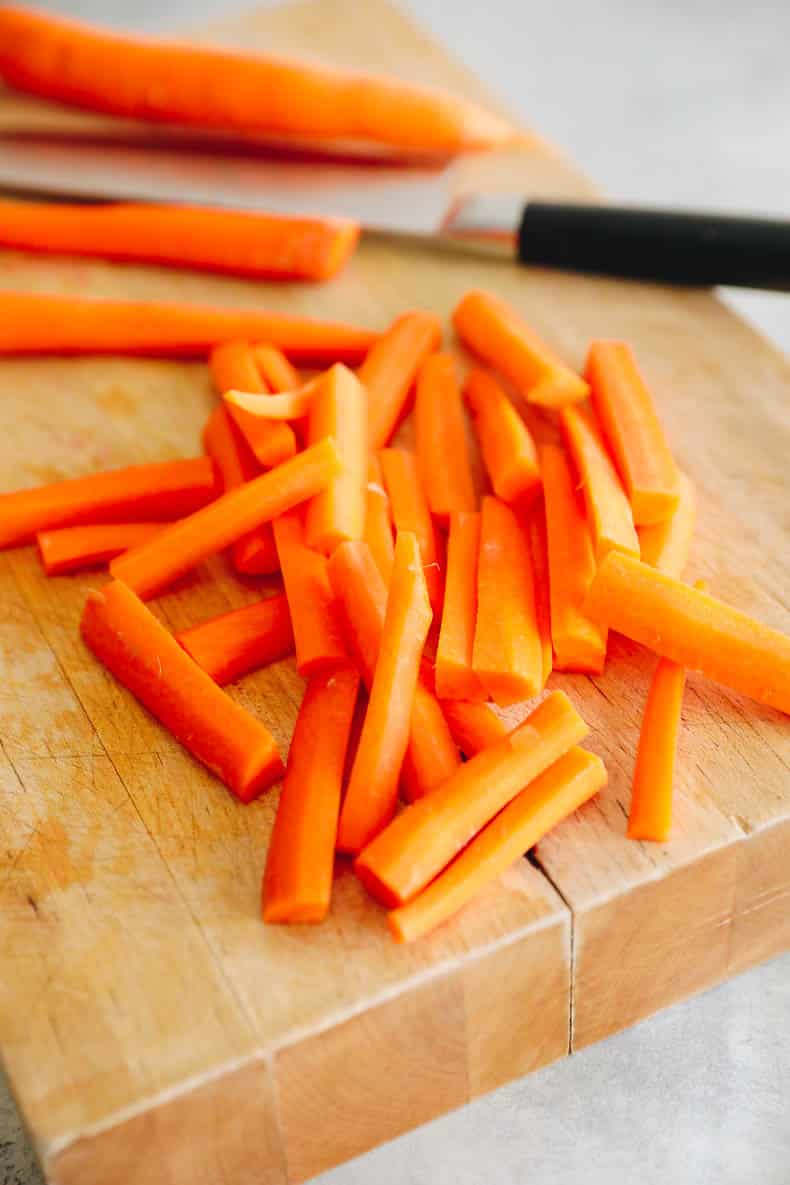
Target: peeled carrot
x: 455, y: 678
x: 473, y: 726
x: 666, y: 545
x: 633, y: 431
x: 608, y: 509
x: 297, y: 883
x: 506, y: 443
x: 410, y: 512
x: 372, y: 792
x: 149, y: 568
x: 650, y: 816
x: 551, y: 797
x: 432, y: 754
x: 71, y: 548
x: 339, y: 410
x: 390, y: 368
x: 424, y: 838
x: 440, y: 434
x: 270, y: 246
x: 507, y: 653
x: 244, y: 640
x: 288, y: 405
x: 124, y: 634
x: 275, y: 369
x: 233, y: 365
x: 692, y: 628
x: 316, y: 626
x: 161, y: 490
x: 378, y: 519
x: 534, y: 523
x: 497, y: 334
x: 32, y: 323
x: 579, y: 644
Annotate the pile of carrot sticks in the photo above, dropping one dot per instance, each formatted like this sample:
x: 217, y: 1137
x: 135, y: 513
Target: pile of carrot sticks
x: 417, y: 596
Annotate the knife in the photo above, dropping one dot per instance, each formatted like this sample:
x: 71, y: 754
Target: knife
x: 419, y: 202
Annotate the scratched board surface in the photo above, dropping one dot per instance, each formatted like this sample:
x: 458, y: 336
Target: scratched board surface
x: 152, y: 1028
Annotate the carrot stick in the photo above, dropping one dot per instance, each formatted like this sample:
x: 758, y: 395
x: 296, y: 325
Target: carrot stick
x: 316, y: 626
x: 455, y: 678
x: 650, y: 816
x: 473, y: 726
x: 551, y: 797
x: 506, y: 443
x: 497, y: 334
x: 608, y: 509
x: 390, y: 368
x: 507, y: 654
x: 297, y: 883
x: 177, y: 82
x: 417, y: 845
x: 378, y: 519
x: 254, y: 554
x: 410, y: 513
x: 241, y: 641
x: 692, y: 628
x: 288, y: 405
x: 149, y: 568
x: 432, y: 754
x: 161, y: 490
x: 372, y: 792
x: 31, y: 323
x: 535, y: 527
x: 440, y: 434
x: 124, y: 634
x: 233, y: 365
x: 579, y: 644
x: 275, y: 369
x: 266, y: 246
x: 339, y: 410
x: 70, y: 548
x: 666, y: 545
x: 633, y: 431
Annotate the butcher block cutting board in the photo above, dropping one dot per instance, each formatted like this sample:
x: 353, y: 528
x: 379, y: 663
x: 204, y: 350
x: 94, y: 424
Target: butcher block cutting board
x: 153, y: 1030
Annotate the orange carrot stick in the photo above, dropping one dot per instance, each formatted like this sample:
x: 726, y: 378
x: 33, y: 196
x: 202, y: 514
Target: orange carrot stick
x: 633, y: 431
x: 372, y: 792
x: 161, y: 490
x: 390, y: 368
x: 432, y: 754
x: 473, y: 726
x: 233, y: 365
x: 182, y: 546
x: 497, y: 334
x: 507, y: 653
x: 71, y: 548
x: 339, y: 410
x: 316, y: 625
x: 506, y: 443
x: 440, y: 434
x: 692, y: 628
x: 267, y: 246
x: 455, y: 678
x: 244, y: 640
x: 275, y: 369
x: 417, y: 845
x: 579, y: 644
x: 378, y: 519
x: 297, y: 883
x: 551, y: 797
x: 535, y: 527
x: 650, y: 816
x: 124, y: 634
x: 608, y: 509
x: 32, y: 323
x: 410, y: 513
x: 666, y: 545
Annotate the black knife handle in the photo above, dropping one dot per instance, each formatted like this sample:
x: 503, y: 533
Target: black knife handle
x: 672, y: 248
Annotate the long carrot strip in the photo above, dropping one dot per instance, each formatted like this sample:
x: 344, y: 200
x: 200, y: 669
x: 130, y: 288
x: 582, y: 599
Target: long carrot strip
x: 161, y: 490
x: 32, y: 323
x: 417, y: 845
x: 267, y: 246
x: 551, y: 797
x: 233, y: 365
x: 534, y: 523
x: 579, y: 644
x: 182, y: 546
x: 339, y: 410
x: 650, y: 816
x: 473, y: 726
x: 497, y: 334
x: 692, y: 628
x: 71, y: 548
x: 275, y: 369
x: 378, y: 519
x: 608, y: 509
x: 244, y: 640
x: 124, y: 634
x: 432, y: 754
x: 410, y: 512
x: 440, y: 435
x: 666, y: 545
x: 633, y: 431
x: 316, y: 626
x: 297, y: 883
x: 372, y: 792
x: 506, y: 443
x: 390, y: 368
x: 455, y: 678
x: 507, y: 654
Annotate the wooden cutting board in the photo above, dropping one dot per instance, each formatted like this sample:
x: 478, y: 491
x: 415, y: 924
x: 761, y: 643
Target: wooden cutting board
x: 154, y: 1031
